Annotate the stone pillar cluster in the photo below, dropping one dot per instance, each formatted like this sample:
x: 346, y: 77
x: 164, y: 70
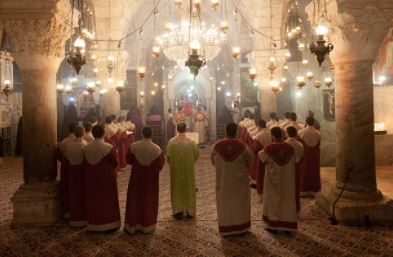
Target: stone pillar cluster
x: 353, y: 58
x: 38, y: 48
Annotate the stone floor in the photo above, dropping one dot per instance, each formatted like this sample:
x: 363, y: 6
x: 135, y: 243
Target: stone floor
x: 315, y: 237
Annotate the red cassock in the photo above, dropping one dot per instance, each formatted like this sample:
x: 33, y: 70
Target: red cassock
x: 297, y: 186
x: 310, y: 178
x: 76, y: 189
x: 256, y: 146
x: 102, y: 203
x: 241, y: 133
x: 64, y: 196
x: 142, y: 196
x: 124, y: 143
x: 114, y: 140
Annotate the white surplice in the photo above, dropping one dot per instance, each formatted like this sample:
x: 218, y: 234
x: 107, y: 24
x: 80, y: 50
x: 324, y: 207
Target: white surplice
x: 279, y: 190
x: 232, y: 159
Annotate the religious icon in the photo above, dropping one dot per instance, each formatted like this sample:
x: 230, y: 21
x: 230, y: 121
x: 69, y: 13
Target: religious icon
x: 329, y: 101
x: 384, y: 63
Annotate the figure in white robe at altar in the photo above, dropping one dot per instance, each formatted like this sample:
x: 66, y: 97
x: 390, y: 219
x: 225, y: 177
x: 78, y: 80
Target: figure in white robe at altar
x: 200, y: 125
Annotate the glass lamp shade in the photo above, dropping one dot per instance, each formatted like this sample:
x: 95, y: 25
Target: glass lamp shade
x: 79, y: 43
x: 322, y: 30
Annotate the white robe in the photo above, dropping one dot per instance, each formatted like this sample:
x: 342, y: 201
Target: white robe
x: 279, y: 191
x: 310, y: 136
x: 232, y: 186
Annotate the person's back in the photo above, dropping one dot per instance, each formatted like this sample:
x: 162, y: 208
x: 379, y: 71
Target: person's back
x: 102, y: 204
x: 147, y: 159
x: 310, y: 180
x: 88, y: 137
x: 182, y: 153
x: 61, y: 149
x: 279, y: 192
x: 299, y: 150
x: 232, y: 159
x: 74, y: 152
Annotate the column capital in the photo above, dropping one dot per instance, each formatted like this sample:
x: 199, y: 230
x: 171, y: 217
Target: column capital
x: 357, y: 28
x: 43, y: 37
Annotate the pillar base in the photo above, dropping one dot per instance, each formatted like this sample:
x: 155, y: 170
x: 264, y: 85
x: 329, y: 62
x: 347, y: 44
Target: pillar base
x: 356, y: 208
x: 36, y: 204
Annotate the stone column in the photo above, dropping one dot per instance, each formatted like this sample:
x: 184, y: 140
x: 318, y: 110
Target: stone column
x: 359, y: 200
x: 37, y: 46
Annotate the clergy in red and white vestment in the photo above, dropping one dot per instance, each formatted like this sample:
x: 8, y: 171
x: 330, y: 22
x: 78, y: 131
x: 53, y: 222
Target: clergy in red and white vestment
x: 123, y: 141
x: 293, y: 122
x: 232, y: 159
x: 111, y: 132
x: 76, y: 178
x: 262, y: 139
x: 273, y: 122
x: 298, y: 147
x: 102, y: 203
x: 285, y: 120
x: 310, y: 178
x: 279, y: 189
x: 147, y: 159
x: 200, y: 125
x: 88, y: 137
x: 65, y: 204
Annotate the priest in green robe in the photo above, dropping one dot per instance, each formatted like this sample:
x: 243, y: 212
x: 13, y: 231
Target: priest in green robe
x: 182, y: 153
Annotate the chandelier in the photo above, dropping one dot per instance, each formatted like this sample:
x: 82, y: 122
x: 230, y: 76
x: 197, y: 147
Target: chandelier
x: 176, y: 41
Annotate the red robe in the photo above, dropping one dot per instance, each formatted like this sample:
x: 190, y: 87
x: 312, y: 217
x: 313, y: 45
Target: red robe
x: 76, y: 189
x: 142, y: 196
x: 124, y: 143
x: 64, y: 196
x: 256, y: 146
x: 102, y: 203
x: 310, y: 177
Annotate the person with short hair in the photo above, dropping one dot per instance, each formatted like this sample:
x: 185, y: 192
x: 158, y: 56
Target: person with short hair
x: 64, y: 169
x: 232, y: 159
x: 273, y: 122
x: 102, y: 203
x: 182, y: 153
x: 279, y: 191
x: 317, y: 126
x: 88, y: 137
x: 298, y: 147
x: 76, y: 178
x: 310, y: 177
x: 293, y: 122
x: 284, y: 123
x: 170, y: 126
x: 147, y: 160
x: 261, y: 140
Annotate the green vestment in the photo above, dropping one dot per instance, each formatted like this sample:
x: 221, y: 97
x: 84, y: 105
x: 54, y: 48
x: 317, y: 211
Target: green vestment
x: 182, y: 153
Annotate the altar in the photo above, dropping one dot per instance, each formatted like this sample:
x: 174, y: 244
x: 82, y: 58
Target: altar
x: 194, y: 136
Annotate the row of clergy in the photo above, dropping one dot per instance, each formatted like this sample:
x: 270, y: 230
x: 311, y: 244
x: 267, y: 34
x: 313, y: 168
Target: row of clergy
x: 95, y: 203
x: 256, y: 134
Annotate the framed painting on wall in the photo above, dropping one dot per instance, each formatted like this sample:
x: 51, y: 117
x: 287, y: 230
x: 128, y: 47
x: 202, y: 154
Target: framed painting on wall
x: 329, y: 102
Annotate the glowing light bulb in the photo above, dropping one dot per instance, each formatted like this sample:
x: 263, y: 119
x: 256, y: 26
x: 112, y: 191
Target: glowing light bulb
x: 195, y: 45
x: 322, y: 30
x: 310, y: 75
x: 79, y: 43
x: 110, y: 80
x: 111, y: 58
x: 103, y: 91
